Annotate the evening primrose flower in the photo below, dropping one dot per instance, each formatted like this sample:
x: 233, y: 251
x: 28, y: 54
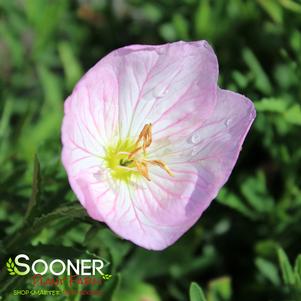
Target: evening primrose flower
x: 149, y: 139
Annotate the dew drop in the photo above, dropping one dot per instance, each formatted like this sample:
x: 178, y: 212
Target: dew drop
x: 194, y: 151
x: 228, y: 122
x: 195, y: 138
x: 160, y: 91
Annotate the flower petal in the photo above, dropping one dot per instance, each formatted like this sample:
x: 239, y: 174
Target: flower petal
x: 213, y: 149
x: 171, y: 86
x: 147, y: 213
x: 91, y: 119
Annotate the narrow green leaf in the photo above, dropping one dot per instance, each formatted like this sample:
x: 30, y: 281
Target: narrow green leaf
x: 261, y: 79
x: 69, y: 212
x: 268, y: 270
x: 286, y: 268
x: 254, y: 190
x: 297, y: 270
x: 181, y: 26
x: 273, y: 8
x: 229, y: 199
x: 72, y: 67
x: 52, y: 90
x: 36, y: 190
x: 4, y: 120
x: 196, y: 292
x: 274, y: 105
x: 291, y: 5
x: 202, y: 19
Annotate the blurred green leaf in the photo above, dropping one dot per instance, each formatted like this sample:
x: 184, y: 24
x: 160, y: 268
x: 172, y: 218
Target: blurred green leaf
x: 291, y: 5
x: 255, y: 192
x: 220, y: 289
x: 273, y: 8
x: 4, y: 121
x: 240, y: 79
x: 286, y: 268
x: 5, y: 128
x: 181, y: 27
x: 293, y: 115
x: 196, y: 293
x: 268, y: 270
x: 136, y: 292
x: 229, y: 199
x: 297, y: 270
x: 261, y: 79
x: 72, y: 68
x: 52, y: 89
x: 36, y: 191
x: 44, y: 16
x: 202, y: 19
x: 152, y: 12
x: 274, y: 105
x: 167, y: 31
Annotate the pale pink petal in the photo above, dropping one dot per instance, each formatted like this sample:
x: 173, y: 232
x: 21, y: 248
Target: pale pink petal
x: 213, y: 149
x: 172, y: 86
x: 146, y: 213
x: 90, y: 121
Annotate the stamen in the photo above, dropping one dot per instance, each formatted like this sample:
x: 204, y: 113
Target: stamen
x: 145, y: 137
x: 143, y: 133
x: 160, y: 164
x: 134, y: 152
x: 142, y: 169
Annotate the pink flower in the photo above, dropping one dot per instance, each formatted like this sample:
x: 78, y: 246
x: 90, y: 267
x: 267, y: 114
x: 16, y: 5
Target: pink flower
x: 149, y: 139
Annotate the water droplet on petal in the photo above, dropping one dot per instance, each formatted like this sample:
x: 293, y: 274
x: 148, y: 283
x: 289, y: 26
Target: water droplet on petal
x: 194, y: 151
x: 227, y: 122
x: 195, y: 138
x: 160, y: 91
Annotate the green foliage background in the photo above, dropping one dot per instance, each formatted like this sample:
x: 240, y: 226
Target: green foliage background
x: 246, y: 245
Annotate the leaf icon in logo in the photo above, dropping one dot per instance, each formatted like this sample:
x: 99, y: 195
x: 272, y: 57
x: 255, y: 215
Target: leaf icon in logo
x: 12, y: 269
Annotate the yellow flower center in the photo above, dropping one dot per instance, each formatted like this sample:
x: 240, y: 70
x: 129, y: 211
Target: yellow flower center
x: 128, y: 158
